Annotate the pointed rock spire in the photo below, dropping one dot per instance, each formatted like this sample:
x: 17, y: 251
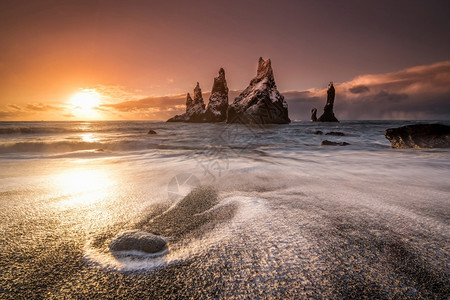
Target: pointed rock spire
x: 314, y: 114
x: 218, y: 101
x: 260, y: 102
x: 189, y: 102
x: 264, y: 70
x: 328, y: 113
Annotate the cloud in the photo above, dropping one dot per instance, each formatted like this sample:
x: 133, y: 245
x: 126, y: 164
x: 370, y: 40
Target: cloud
x: 160, y: 108
x: 31, y: 111
x: 358, y: 89
x: 41, y: 107
x: 6, y: 114
x: 421, y: 92
x: 14, y: 107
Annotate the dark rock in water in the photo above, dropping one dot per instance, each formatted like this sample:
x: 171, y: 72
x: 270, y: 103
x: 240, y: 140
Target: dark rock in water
x: 319, y: 132
x: 314, y: 115
x: 335, y: 133
x: 260, y: 102
x: 328, y: 113
x: 195, y: 108
x: 218, y: 101
x: 330, y: 143
x: 138, y: 240
x: 151, y: 131
x: 419, y: 136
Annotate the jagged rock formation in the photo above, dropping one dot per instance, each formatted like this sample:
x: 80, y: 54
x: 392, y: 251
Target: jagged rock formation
x: 217, y: 106
x: 195, y: 109
x: 260, y: 102
x: 218, y: 101
x: 328, y: 114
x: 314, y: 115
x: 419, y: 136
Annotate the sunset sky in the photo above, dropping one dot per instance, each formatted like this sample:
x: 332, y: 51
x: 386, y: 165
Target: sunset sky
x: 112, y: 60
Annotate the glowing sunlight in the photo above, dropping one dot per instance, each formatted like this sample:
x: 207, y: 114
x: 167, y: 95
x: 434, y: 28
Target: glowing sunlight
x: 85, y: 103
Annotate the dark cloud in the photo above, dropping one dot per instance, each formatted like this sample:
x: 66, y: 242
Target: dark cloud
x: 384, y: 96
x: 358, y: 89
x: 421, y: 92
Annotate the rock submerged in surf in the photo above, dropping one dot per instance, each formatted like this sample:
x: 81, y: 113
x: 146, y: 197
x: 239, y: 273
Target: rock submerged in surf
x: 335, y: 133
x: 138, y: 240
x: 419, y: 136
x: 330, y: 143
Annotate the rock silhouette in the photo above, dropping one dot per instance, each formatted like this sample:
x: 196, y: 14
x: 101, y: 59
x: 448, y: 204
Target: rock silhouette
x: 260, y: 102
x: 419, y: 136
x: 314, y: 115
x: 328, y: 113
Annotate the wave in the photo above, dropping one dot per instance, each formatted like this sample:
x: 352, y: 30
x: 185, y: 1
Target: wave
x: 35, y: 130
x: 74, y: 146
x: 48, y: 147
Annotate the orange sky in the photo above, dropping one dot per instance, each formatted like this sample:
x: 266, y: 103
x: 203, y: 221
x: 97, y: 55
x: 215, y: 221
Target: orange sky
x: 153, y: 52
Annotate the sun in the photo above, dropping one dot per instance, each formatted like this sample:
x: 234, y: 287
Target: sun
x: 85, y: 102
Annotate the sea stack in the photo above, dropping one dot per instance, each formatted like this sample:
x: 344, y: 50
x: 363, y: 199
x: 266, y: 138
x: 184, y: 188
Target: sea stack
x: 328, y: 114
x: 218, y: 101
x: 195, y: 108
x: 314, y: 115
x: 260, y: 102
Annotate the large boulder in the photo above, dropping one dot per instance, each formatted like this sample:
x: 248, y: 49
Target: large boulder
x: 195, y: 108
x: 218, y: 101
x: 260, y: 102
x: 419, y: 136
x: 328, y: 113
x: 138, y: 240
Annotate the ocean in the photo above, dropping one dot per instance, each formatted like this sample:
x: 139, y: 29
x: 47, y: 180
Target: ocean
x: 248, y: 211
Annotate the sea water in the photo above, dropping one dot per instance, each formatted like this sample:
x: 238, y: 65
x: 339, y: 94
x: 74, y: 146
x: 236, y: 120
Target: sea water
x: 290, y: 218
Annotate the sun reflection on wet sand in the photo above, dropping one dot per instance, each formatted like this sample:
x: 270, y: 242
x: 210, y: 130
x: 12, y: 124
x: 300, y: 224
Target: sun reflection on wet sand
x: 83, y: 186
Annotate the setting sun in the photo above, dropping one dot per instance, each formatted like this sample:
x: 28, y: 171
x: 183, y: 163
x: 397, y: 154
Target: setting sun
x: 84, y: 103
